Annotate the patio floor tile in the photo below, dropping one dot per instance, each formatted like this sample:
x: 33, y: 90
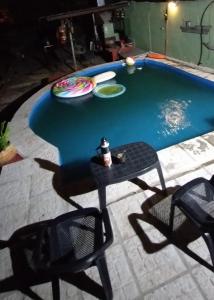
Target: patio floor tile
x: 120, y: 272
x: 171, y: 165
x: 41, y: 182
x: 42, y: 290
x: 5, y: 263
x: 15, y: 192
x: 69, y: 291
x: 198, y: 149
x: 121, y: 275
x: 120, y: 191
x: 13, y: 217
x: 156, y: 267
x: 121, y: 211
x: 12, y: 296
x: 46, y: 206
x: 199, y: 247
x: 201, y: 172
x: 17, y: 171
x: 209, y: 137
x: 182, y: 288
x: 205, y: 280
x: 26, y: 143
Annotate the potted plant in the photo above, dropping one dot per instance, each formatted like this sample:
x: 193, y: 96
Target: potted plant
x: 7, y: 151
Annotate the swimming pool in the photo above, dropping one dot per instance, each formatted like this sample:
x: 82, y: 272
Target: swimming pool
x: 161, y: 106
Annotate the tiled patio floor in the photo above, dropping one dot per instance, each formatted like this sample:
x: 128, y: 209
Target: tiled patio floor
x: 142, y: 262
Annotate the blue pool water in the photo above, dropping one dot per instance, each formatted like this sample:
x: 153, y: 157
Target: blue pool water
x: 162, y: 106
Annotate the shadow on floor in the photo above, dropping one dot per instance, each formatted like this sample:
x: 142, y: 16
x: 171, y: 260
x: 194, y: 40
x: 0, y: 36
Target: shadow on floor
x: 63, y: 187
x: 22, y: 246
x: 156, y: 211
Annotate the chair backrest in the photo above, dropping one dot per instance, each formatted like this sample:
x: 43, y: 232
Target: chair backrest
x: 197, y: 199
x: 77, y: 237
x: 24, y: 247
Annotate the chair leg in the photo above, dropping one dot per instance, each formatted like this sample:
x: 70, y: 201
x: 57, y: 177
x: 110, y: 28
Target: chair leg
x: 209, y: 239
x: 55, y: 288
x: 102, y: 196
x: 171, y: 218
x: 212, y: 180
x: 104, y: 276
x: 4, y: 244
x: 162, y: 181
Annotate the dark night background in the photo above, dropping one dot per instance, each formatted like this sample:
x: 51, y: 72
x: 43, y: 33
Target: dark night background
x: 24, y: 36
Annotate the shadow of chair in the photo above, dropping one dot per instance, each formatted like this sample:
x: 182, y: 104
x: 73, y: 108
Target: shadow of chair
x: 62, y: 248
x: 156, y: 211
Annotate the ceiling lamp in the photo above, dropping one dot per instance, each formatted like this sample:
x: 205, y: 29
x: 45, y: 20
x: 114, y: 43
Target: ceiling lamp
x: 172, y: 5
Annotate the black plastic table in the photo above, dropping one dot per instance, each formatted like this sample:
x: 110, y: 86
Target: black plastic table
x: 139, y: 159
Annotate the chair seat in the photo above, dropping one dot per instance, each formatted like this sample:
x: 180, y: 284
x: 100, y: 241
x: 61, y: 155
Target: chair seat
x: 196, y: 199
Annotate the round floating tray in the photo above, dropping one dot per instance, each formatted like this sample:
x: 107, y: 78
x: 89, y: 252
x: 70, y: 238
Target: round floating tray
x: 109, y: 90
x: 73, y: 87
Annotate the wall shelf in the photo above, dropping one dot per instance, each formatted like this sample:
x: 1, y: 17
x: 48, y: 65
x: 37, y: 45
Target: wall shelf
x: 196, y: 29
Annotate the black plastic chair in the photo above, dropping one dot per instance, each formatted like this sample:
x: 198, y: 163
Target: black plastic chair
x: 71, y: 243
x: 196, y: 200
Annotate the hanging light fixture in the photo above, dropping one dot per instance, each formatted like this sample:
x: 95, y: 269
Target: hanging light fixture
x: 172, y: 4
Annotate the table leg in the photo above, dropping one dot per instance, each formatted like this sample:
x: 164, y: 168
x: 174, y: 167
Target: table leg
x: 160, y: 174
x: 102, y: 196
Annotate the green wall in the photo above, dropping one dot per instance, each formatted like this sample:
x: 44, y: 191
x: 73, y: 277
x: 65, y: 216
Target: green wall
x: 145, y: 24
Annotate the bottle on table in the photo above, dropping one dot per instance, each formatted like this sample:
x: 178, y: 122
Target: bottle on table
x: 105, y: 152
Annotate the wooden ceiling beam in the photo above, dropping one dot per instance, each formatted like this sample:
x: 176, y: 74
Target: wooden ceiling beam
x: 76, y: 13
